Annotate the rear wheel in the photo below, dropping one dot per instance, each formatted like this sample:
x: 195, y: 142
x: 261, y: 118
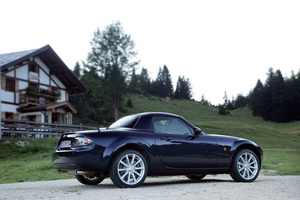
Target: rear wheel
x: 89, y: 180
x: 196, y: 177
x: 245, y: 166
x: 128, y: 169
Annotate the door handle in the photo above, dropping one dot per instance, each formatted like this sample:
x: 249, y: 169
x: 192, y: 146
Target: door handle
x: 190, y: 138
x: 167, y: 138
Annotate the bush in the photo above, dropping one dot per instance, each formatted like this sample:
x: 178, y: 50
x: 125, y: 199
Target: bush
x: 129, y: 103
x: 222, y: 110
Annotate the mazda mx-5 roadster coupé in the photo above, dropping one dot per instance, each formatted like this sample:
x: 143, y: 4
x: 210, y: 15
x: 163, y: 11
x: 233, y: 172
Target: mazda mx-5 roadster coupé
x: 154, y: 144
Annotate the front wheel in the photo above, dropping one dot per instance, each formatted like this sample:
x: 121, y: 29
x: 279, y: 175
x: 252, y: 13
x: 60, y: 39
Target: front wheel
x: 128, y: 169
x: 245, y: 166
x: 89, y: 180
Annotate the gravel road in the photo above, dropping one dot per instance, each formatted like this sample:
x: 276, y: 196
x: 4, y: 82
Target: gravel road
x: 177, y: 187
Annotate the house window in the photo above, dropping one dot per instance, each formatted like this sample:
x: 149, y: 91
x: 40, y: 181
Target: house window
x: 33, y: 68
x: 9, y: 115
x: 10, y: 86
x: 31, y: 118
x: 46, y: 117
x: 62, y: 119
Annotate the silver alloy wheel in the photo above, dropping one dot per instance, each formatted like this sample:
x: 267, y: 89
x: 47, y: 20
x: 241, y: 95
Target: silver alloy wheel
x: 131, y: 169
x: 247, y: 166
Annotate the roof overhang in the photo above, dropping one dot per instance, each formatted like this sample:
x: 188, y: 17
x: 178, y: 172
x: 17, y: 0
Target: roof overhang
x: 66, y: 105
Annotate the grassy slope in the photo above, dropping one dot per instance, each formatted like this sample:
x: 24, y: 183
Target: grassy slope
x: 240, y: 124
x: 280, y: 141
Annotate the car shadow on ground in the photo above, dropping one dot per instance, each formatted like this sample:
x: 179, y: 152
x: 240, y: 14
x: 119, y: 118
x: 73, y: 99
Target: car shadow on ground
x: 184, y: 181
x: 160, y: 182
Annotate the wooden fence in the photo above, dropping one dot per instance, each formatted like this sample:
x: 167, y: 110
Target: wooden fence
x: 24, y: 128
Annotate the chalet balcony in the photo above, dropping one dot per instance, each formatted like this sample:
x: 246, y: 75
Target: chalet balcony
x: 28, y: 98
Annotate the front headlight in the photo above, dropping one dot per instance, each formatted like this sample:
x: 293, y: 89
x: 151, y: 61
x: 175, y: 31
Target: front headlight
x: 82, y: 141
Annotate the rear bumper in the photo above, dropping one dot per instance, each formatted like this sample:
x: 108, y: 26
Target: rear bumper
x: 70, y: 160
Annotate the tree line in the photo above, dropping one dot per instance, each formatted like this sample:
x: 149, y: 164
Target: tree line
x: 277, y: 100
x: 109, y: 73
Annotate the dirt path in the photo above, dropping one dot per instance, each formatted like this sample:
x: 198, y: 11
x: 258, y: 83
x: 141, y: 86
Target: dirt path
x: 179, y: 187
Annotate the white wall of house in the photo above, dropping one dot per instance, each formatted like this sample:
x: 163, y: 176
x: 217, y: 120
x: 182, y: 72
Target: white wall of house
x: 22, y: 73
x: 23, y: 85
x: 7, y: 96
x: 8, y: 108
x: 44, y: 78
x: 11, y: 73
x: 63, y: 95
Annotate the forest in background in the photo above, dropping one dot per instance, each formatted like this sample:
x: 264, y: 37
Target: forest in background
x: 109, y: 73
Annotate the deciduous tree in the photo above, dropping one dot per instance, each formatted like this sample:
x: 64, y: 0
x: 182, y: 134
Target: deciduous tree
x: 112, y: 56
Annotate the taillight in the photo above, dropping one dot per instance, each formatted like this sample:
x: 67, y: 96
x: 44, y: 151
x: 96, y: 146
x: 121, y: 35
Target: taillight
x: 82, y: 141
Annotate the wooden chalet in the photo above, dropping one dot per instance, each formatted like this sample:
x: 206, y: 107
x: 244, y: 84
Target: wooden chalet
x: 35, y: 86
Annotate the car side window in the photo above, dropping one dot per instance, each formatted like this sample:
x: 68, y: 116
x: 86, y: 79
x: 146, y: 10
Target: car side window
x: 170, y: 125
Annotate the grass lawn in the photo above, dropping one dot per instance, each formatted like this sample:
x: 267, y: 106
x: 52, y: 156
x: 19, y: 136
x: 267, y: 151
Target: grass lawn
x: 280, y: 141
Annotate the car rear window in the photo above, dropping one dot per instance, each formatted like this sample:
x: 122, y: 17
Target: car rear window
x: 128, y: 122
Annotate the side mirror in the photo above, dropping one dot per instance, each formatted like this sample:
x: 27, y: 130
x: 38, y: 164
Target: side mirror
x: 197, y: 132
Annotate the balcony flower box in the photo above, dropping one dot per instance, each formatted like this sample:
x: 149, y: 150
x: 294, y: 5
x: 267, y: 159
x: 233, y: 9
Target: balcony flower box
x: 31, y: 90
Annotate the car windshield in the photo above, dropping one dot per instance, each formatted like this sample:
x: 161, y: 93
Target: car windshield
x: 128, y: 122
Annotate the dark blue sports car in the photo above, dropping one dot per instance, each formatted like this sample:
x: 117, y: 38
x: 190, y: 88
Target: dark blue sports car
x: 154, y: 144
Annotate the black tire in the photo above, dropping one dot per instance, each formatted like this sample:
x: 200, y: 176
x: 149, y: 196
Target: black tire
x: 128, y: 169
x: 245, y: 166
x: 89, y: 180
x: 196, y: 177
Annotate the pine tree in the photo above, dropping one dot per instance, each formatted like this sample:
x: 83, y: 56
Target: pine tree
x: 267, y: 95
x: 183, y: 89
x: 77, y: 70
x: 294, y: 97
x: 145, y: 81
x: 222, y: 110
x: 257, y: 100
x: 240, y: 101
x: 163, y: 86
x: 177, y: 93
x: 279, y: 99
x: 134, y: 85
x: 271, y: 101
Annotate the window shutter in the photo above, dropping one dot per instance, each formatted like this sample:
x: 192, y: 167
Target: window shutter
x: 2, y: 114
x: 38, y: 118
x: 3, y: 83
x: 17, y: 86
x: 59, y: 98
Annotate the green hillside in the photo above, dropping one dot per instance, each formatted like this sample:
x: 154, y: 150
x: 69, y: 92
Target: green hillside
x: 240, y: 123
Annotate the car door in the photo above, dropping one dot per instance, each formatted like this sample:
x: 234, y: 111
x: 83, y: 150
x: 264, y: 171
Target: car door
x: 178, y: 147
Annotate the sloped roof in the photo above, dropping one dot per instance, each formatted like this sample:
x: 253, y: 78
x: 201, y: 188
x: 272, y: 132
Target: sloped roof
x: 7, y: 59
x: 52, y: 60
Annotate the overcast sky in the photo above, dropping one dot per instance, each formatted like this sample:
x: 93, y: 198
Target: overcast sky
x: 219, y: 45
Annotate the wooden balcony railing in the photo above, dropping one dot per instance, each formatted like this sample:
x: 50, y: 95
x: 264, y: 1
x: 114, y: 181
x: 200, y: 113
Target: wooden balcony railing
x: 24, y: 128
x: 34, y: 98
